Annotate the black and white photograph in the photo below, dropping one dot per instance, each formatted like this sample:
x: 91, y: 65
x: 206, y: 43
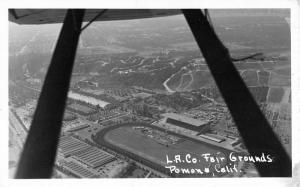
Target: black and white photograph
x: 112, y: 93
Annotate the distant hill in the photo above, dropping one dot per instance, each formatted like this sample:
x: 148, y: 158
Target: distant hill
x: 148, y: 52
x: 249, y: 12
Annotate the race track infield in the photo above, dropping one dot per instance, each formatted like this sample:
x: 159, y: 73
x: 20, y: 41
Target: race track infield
x: 125, y: 140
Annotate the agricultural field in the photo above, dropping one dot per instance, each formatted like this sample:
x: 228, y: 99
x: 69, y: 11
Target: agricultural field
x: 250, y: 77
x: 263, y: 77
x: 275, y: 95
x: 286, y: 71
x: 279, y: 80
x: 247, y: 66
x: 260, y: 93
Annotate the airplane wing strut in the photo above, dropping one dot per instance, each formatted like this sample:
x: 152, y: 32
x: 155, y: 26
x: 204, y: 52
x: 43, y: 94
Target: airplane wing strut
x: 39, y: 152
x: 253, y: 127
x: 93, y: 19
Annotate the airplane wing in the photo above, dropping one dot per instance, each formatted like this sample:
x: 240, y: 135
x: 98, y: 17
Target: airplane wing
x: 48, y: 16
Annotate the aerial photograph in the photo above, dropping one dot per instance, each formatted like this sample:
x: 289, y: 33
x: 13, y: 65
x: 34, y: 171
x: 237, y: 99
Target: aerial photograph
x: 144, y: 99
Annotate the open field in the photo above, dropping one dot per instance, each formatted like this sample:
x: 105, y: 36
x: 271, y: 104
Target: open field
x: 201, y: 79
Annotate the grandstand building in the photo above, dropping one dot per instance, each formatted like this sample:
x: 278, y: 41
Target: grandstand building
x: 69, y: 146
x: 81, y: 159
x: 74, y: 125
x: 79, y: 171
x: 93, y: 157
x: 187, y: 125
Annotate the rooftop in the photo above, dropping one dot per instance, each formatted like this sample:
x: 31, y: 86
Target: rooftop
x: 185, y: 119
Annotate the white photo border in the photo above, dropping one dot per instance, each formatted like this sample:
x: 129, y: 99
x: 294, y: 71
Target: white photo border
x: 293, y: 5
